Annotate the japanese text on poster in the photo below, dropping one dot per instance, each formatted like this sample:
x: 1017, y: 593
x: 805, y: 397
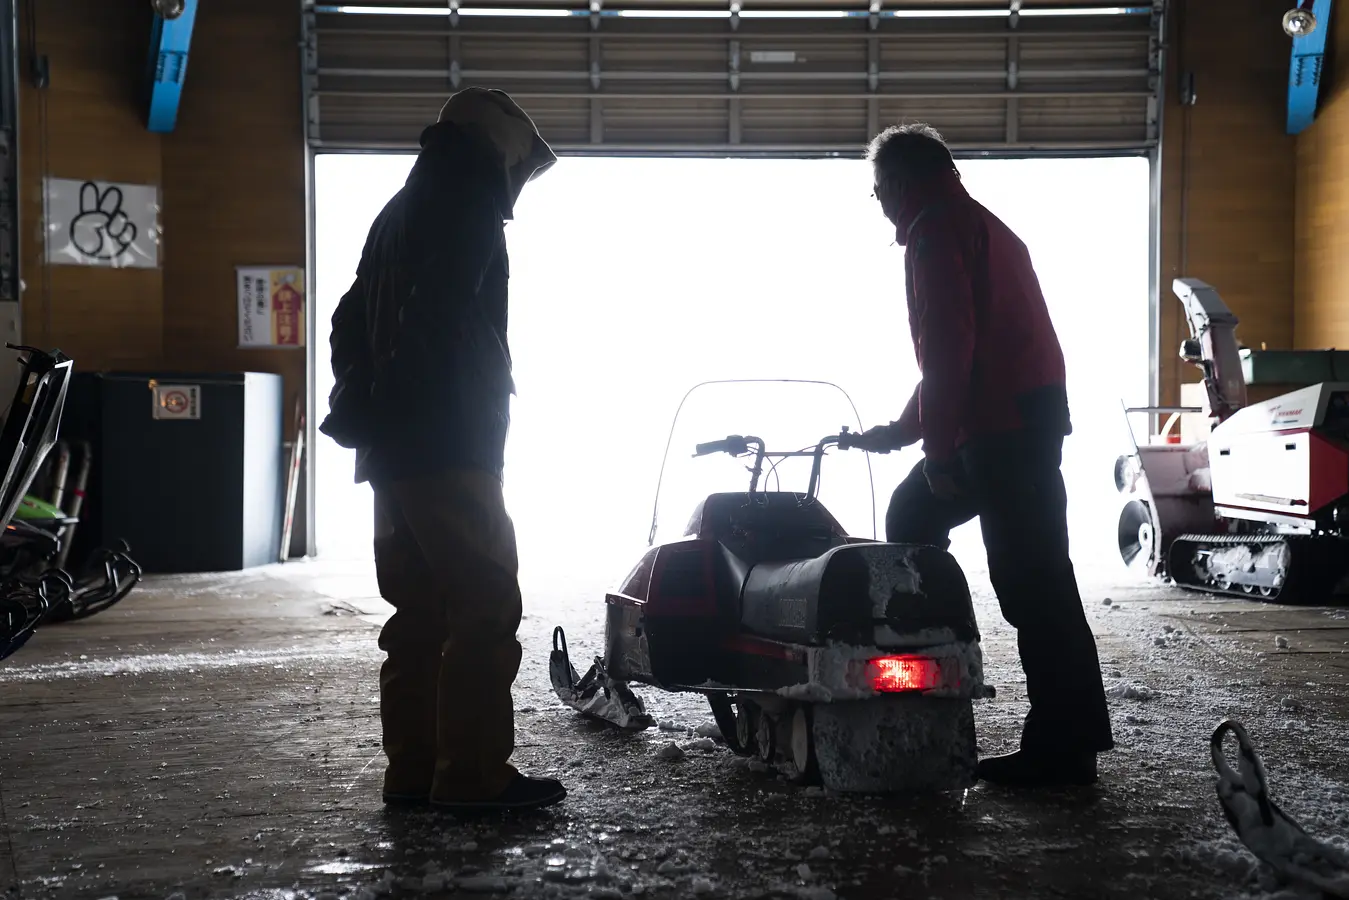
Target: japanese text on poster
x: 271, y: 306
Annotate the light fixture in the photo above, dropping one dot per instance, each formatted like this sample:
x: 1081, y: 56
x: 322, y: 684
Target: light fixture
x: 1299, y: 21
x: 172, y: 9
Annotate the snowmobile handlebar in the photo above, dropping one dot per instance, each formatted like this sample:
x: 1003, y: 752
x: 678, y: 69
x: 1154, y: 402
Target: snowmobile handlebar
x: 735, y: 445
x: 844, y: 440
x: 739, y: 445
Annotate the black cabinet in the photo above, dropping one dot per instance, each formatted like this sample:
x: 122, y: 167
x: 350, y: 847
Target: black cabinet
x: 187, y: 467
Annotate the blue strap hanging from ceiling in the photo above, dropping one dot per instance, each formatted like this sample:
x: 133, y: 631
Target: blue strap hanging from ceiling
x: 1304, y: 72
x: 169, y: 42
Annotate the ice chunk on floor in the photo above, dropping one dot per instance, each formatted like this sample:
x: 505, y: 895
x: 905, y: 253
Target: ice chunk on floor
x: 1130, y: 691
x: 670, y: 751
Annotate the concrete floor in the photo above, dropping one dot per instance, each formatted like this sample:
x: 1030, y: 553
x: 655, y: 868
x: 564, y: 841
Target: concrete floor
x: 219, y: 736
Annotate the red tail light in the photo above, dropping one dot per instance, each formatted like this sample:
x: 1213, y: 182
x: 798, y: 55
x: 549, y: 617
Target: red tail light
x: 894, y: 674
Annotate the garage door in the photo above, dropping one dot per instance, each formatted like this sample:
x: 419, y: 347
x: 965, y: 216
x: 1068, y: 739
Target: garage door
x: 667, y: 77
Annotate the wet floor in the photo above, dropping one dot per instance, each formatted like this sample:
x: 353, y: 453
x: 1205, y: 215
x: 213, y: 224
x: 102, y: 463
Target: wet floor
x: 218, y: 736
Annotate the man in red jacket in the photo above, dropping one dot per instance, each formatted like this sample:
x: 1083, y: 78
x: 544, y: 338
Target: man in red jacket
x: 992, y: 411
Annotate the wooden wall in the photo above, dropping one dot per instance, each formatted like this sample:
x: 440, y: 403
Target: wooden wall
x: 1236, y: 188
x: 1321, y: 246
x: 231, y: 180
x: 1228, y: 187
x: 87, y: 124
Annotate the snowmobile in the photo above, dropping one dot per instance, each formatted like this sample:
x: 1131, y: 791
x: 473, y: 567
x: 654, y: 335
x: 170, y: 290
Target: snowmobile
x: 40, y: 535
x: 27, y: 436
x: 832, y: 658
x: 1260, y: 508
x: 33, y: 591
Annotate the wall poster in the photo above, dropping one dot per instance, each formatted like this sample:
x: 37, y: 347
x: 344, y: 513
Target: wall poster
x: 271, y: 306
x: 99, y: 223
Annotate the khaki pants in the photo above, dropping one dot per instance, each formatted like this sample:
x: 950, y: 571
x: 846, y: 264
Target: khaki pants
x: 446, y: 560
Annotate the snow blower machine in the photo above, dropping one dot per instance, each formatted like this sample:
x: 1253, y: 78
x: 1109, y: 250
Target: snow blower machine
x: 832, y: 658
x: 35, y: 588
x: 1260, y: 508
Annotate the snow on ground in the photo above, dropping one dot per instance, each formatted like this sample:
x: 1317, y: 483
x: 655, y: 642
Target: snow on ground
x: 240, y: 757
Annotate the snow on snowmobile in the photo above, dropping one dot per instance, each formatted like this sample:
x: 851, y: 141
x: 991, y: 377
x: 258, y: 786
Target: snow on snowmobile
x: 1260, y: 508
x: 833, y: 658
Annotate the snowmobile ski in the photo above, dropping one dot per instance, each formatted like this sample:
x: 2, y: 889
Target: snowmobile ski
x: 597, y: 694
x: 26, y: 603
x: 106, y: 580
x: 1266, y: 830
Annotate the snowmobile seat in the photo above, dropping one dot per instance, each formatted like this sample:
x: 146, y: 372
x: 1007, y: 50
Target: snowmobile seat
x: 766, y: 526
x: 850, y: 591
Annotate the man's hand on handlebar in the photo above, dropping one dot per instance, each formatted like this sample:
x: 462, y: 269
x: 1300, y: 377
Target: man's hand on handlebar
x: 883, y: 438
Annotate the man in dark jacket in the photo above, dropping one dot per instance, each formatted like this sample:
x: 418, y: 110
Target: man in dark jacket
x: 422, y: 393
x: 991, y: 409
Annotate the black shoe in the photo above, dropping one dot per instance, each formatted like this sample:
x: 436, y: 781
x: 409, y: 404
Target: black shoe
x: 1022, y: 769
x: 522, y: 793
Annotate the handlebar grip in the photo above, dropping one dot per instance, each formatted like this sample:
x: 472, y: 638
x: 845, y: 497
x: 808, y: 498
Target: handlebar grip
x: 733, y: 444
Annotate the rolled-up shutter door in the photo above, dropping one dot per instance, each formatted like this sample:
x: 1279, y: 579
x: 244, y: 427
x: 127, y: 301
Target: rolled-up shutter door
x: 1035, y: 77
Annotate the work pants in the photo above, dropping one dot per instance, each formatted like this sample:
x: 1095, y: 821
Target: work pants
x: 1013, y: 483
x: 445, y: 556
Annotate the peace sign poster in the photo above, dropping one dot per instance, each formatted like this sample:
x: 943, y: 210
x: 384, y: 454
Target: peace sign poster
x: 271, y: 306
x: 98, y: 223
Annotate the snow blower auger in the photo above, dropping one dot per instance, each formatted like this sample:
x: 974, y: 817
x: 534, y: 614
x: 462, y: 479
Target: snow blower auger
x: 1261, y: 508
x: 832, y: 658
x: 1266, y: 830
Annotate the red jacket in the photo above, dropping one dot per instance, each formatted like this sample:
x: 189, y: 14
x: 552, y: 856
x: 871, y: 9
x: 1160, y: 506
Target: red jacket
x: 990, y: 359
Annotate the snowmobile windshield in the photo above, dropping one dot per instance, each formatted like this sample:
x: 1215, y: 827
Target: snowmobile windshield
x: 790, y: 417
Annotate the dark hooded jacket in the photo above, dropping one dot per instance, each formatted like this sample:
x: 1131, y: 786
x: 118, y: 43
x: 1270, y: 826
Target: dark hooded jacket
x: 419, y: 349
x: 990, y: 359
